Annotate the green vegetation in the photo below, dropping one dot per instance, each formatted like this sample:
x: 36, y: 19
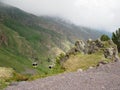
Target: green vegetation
x: 29, y: 37
x: 104, y: 37
x: 81, y: 61
x: 84, y: 61
x: 12, y: 54
x: 8, y: 75
x: 116, y: 38
x: 25, y: 38
x: 5, y: 75
x: 119, y: 54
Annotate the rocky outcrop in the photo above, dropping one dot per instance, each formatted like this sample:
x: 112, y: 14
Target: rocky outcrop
x: 86, y: 48
x: 111, y: 52
x: 108, y: 48
x: 93, y: 46
x: 80, y: 46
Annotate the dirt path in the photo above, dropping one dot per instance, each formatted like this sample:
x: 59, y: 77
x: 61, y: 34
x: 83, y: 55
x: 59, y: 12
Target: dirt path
x: 106, y: 77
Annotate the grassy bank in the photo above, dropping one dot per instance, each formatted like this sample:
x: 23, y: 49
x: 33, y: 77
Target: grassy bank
x: 81, y: 61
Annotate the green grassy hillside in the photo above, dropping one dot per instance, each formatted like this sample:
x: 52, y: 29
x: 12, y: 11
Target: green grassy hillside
x: 23, y: 47
x: 25, y: 38
x: 12, y: 53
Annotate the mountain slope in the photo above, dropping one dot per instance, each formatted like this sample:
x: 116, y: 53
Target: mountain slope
x: 25, y: 38
x: 11, y: 50
x: 71, y: 31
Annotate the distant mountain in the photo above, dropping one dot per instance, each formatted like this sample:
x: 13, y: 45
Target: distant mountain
x: 71, y: 31
x: 25, y: 38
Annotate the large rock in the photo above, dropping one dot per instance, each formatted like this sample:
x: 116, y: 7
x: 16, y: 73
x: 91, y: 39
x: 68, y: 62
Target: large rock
x: 99, y: 43
x: 111, y: 52
x: 93, y: 46
x: 80, y: 46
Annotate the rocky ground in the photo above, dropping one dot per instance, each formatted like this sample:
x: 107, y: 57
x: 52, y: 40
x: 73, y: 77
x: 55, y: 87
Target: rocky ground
x: 104, y: 77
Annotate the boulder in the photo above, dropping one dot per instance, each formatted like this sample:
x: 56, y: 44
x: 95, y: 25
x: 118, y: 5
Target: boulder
x: 111, y: 53
x: 91, y: 47
x: 89, y: 40
x: 101, y: 63
x: 94, y: 46
x: 80, y: 46
x: 91, y: 67
x: 80, y: 70
x: 99, y: 43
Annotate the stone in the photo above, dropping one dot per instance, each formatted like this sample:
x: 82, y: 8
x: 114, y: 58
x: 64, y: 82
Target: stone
x: 99, y: 43
x: 90, y: 67
x: 80, y: 46
x: 111, y: 53
x: 101, y: 63
x: 89, y: 40
x: 79, y: 70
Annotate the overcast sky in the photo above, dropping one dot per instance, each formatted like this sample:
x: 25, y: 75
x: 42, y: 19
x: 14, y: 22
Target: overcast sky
x: 99, y: 14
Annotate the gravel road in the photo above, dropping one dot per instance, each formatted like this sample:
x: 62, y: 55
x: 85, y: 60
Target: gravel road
x: 105, y: 77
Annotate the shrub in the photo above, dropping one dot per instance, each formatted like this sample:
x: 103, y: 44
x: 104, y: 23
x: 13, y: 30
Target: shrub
x: 104, y: 37
x: 116, y: 38
x: 20, y: 77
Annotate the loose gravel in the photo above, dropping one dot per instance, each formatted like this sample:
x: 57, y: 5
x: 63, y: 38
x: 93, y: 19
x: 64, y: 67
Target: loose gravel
x: 105, y: 77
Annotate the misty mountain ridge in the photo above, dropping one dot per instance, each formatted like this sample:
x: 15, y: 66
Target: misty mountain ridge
x: 26, y: 38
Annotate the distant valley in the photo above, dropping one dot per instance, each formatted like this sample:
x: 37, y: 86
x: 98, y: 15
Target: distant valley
x: 26, y: 38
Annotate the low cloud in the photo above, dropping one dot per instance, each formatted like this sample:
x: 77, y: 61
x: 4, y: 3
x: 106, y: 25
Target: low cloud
x: 98, y: 14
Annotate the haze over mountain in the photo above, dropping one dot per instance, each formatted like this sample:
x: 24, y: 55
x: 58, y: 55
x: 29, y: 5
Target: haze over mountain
x: 25, y: 38
x: 98, y: 14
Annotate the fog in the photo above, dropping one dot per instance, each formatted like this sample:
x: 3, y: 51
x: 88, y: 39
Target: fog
x: 98, y: 14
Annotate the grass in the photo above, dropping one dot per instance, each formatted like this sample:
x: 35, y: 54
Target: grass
x: 8, y: 75
x: 81, y: 61
x: 3, y: 84
x: 16, y: 55
x: 5, y: 75
x: 6, y: 72
x: 16, y: 62
x: 107, y: 44
x: 24, y: 40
